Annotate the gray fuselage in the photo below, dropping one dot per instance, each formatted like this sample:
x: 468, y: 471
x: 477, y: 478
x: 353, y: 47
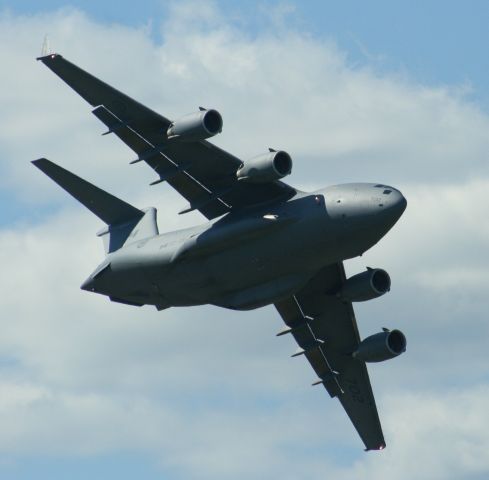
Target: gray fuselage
x: 251, y: 258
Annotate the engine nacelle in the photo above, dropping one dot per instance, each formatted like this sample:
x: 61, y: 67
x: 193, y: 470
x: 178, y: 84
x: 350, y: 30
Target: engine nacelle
x: 372, y: 283
x: 196, y: 126
x: 381, y: 346
x: 266, y: 168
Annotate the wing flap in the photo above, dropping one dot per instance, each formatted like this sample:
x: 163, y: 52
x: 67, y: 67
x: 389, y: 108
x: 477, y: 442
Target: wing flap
x: 301, y: 329
x: 334, y: 323
x: 176, y: 174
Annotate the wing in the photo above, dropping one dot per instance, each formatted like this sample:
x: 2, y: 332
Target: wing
x: 326, y: 331
x: 201, y: 172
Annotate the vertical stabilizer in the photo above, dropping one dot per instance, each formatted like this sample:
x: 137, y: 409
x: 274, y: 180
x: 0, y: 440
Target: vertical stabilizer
x: 116, y: 236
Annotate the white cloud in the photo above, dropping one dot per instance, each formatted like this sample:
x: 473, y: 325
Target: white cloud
x: 208, y: 392
x: 435, y: 435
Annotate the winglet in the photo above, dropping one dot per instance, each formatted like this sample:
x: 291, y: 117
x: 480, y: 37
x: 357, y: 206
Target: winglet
x: 45, y: 50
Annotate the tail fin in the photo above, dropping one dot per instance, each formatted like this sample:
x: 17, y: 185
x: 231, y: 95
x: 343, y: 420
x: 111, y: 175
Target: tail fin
x: 120, y: 217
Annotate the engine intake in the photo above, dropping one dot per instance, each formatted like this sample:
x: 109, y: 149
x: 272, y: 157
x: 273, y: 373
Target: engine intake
x: 266, y: 168
x: 372, y: 283
x: 196, y: 126
x: 381, y: 346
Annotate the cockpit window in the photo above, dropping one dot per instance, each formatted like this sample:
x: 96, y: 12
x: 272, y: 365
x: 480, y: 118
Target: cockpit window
x: 386, y: 192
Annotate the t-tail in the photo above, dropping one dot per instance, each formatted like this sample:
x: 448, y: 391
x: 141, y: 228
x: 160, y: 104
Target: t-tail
x: 125, y: 223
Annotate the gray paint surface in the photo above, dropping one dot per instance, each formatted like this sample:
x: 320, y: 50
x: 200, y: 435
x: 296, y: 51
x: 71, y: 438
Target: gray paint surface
x: 266, y: 243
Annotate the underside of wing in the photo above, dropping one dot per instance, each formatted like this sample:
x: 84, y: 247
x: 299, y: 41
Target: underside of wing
x: 326, y: 331
x: 201, y: 172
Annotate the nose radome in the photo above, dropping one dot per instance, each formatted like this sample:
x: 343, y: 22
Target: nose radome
x: 393, y: 204
x: 398, y: 202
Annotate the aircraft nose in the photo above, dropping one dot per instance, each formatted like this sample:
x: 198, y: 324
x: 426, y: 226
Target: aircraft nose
x: 392, y: 205
x: 397, y: 203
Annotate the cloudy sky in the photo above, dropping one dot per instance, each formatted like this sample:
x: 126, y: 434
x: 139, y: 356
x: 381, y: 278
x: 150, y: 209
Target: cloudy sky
x: 387, y: 93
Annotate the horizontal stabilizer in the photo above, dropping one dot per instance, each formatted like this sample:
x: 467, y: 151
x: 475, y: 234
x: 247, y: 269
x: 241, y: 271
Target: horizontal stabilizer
x: 105, y: 206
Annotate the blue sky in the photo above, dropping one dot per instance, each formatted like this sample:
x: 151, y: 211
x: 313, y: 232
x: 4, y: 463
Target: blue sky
x: 384, y: 91
x: 434, y: 41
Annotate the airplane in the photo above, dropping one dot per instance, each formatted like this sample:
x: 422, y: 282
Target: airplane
x: 265, y: 242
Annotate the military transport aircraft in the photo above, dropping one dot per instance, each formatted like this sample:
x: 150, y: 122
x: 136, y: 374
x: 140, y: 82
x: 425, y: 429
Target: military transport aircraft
x: 265, y: 242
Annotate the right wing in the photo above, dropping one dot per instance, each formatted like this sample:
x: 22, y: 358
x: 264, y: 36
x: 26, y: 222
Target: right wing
x: 326, y: 331
x: 201, y: 172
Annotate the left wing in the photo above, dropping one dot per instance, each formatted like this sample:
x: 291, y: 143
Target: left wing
x: 326, y: 331
x: 201, y: 172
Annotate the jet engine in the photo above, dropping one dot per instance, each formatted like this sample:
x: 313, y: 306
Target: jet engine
x: 266, y: 168
x: 372, y: 283
x: 381, y: 346
x: 196, y: 126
